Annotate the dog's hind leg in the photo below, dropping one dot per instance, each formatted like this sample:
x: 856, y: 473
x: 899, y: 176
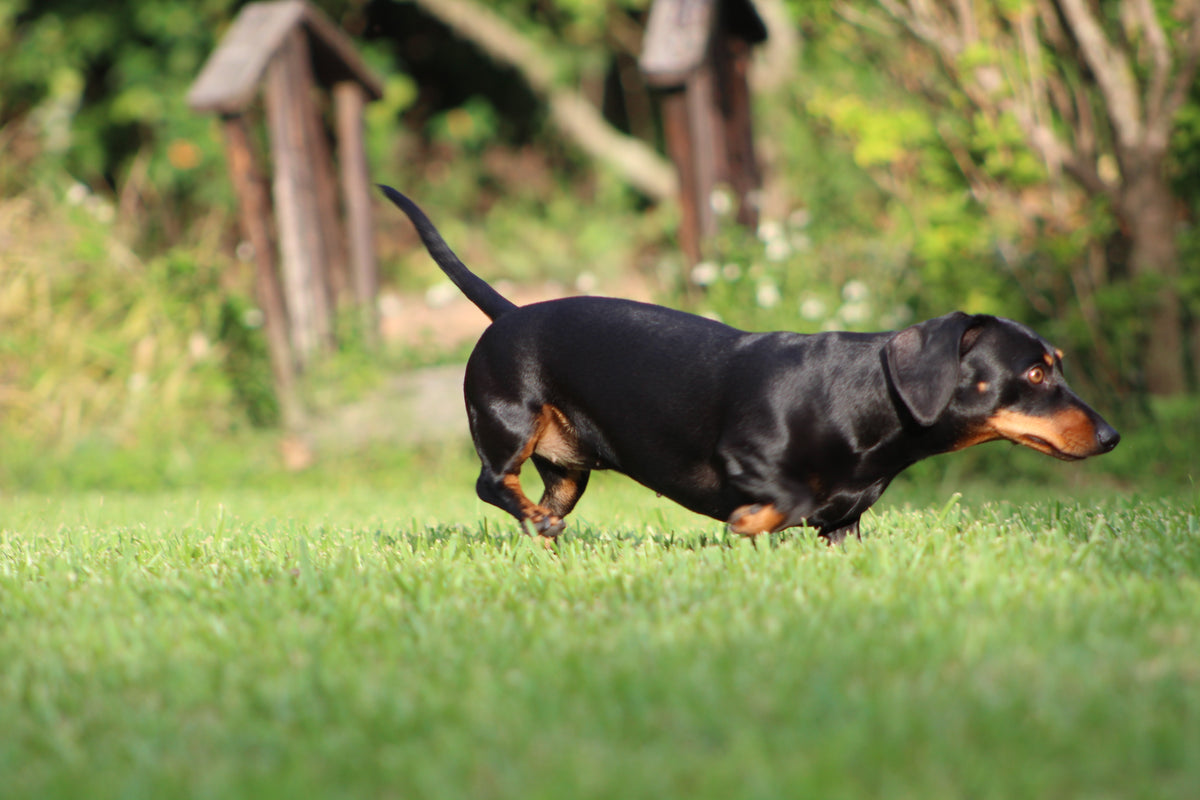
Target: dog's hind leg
x: 564, y: 485
x: 503, y: 448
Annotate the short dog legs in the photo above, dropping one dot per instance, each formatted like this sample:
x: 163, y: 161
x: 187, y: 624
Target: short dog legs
x: 838, y: 535
x: 505, y: 492
x: 547, y: 439
x: 751, y: 520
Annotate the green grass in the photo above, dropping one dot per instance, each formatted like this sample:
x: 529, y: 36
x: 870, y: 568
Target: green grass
x: 361, y: 641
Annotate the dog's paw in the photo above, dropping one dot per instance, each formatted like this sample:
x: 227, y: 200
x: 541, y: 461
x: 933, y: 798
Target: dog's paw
x: 547, y: 525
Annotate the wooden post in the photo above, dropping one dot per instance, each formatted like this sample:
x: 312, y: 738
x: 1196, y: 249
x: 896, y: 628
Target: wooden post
x: 332, y: 264
x: 682, y: 151
x: 289, y: 78
x: 290, y: 49
x: 706, y: 142
x: 731, y: 59
x: 349, y: 102
x: 254, y: 209
x: 697, y: 53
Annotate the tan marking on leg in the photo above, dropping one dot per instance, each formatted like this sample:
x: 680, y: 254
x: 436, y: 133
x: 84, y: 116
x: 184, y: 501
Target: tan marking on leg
x: 752, y: 520
x: 564, y: 494
x: 543, y: 520
x: 556, y: 440
x: 512, y: 482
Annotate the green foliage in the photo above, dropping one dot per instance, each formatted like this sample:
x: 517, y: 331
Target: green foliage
x: 882, y: 137
x: 111, y: 106
x: 983, y: 224
x: 471, y: 126
x: 246, y: 362
x: 320, y: 643
x: 97, y: 341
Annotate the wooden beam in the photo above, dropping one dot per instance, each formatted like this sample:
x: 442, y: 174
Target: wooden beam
x: 349, y: 102
x: 681, y: 148
x: 708, y: 144
x: 731, y: 58
x: 288, y: 83
x: 254, y: 212
x: 229, y: 80
x: 333, y: 269
x: 676, y: 40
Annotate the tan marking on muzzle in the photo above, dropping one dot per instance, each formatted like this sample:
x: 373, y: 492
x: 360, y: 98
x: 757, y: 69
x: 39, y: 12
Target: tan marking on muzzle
x: 1069, y: 433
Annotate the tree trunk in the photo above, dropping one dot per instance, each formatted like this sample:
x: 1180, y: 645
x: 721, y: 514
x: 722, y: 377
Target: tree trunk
x: 1147, y: 208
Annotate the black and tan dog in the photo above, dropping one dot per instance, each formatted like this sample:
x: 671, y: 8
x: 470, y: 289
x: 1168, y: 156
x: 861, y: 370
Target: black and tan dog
x: 762, y: 430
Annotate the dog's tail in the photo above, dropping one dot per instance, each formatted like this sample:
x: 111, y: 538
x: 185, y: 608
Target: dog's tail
x: 475, y: 288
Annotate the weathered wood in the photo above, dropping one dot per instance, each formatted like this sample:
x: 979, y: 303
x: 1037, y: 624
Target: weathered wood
x: 676, y: 40
x: 697, y: 53
x: 708, y: 150
x: 296, y: 211
x: 230, y: 78
x: 680, y: 148
x: 349, y: 102
x: 289, y: 48
x: 332, y: 265
x: 254, y: 211
x: 731, y: 59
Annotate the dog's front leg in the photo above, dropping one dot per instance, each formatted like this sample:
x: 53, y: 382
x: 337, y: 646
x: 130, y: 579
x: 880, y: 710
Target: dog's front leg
x: 756, y: 518
x: 780, y: 502
x: 838, y: 535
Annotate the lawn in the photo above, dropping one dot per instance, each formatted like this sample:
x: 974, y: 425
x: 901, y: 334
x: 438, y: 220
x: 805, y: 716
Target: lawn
x: 365, y: 641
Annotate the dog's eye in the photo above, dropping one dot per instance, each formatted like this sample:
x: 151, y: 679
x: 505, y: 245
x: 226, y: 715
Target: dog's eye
x: 1036, y: 375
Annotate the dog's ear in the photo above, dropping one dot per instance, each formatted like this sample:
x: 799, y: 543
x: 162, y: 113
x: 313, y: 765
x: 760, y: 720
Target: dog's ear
x: 922, y: 362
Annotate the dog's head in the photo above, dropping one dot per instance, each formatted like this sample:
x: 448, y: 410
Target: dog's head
x: 984, y: 378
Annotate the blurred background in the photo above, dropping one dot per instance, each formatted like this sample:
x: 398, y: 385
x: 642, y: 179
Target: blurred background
x: 1037, y: 160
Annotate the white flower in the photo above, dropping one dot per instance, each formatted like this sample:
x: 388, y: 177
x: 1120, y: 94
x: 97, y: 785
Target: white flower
x: 855, y: 313
x: 855, y: 291
x: 704, y: 273
x: 440, y: 295
x: 198, y: 346
x: 778, y: 249
x: 77, y: 193
x: 769, y: 230
x: 586, y: 282
x: 812, y: 309
x: 767, y: 295
x: 390, y: 304
x: 720, y: 201
x: 100, y: 210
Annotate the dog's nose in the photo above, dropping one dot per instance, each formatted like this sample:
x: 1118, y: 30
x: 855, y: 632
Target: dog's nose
x: 1106, y: 437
